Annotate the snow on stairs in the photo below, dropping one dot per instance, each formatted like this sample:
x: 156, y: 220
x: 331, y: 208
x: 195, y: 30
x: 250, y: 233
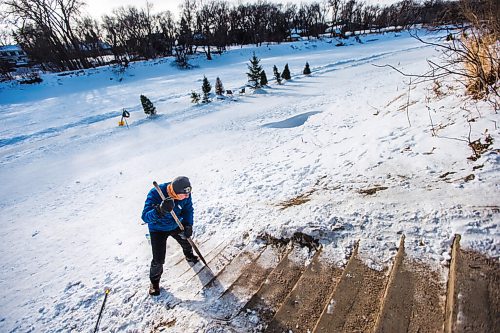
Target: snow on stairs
x: 354, y: 303
x: 267, y: 288
x: 265, y: 303
x: 225, y: 264
x: 473, y: 298
x: 302, y: 307
x: 413, y: 300
x: 247, y: 284
x: 219, y: 283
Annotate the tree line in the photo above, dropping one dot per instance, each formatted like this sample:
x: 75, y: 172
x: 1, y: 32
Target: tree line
x: 57, y: 37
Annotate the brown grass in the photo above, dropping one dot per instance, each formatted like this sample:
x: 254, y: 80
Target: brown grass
x: 373, y: 190
x: 481, y: 49
x: 481, y: 62
x: 299, y: 200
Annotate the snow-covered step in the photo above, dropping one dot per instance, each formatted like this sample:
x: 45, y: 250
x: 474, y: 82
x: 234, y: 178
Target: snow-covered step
x: 262, y: 307
x: 356, y: 300
x: 209, y: 256
x: 192, y: 281
x: 413, y: 299
x: 176, y: 267
x: 473, y: 300
x: 207, y: 248
x: 248, y: 283
x: 219, y: 283
x: 303, y: 306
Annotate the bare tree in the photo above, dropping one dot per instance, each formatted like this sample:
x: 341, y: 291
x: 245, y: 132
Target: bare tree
x: 205, y: 27
x: 168, y: 28
x: 89, y: 33
x: 470, y: 53
x: 187, y: 25
x: 334, y: 9
x: 50, y: 21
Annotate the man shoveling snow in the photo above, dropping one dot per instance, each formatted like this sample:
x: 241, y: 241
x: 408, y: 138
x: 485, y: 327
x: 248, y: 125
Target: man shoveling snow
x: 160, y: 214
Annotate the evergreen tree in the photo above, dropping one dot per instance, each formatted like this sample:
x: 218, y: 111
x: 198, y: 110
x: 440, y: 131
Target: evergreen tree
x: 206, y: 88
x: 219, y: 88
x: 307, y: 70
x: 263, y: 78
x: 286, y: 73
x: 195, y: 97
x: 255, y: 70
x: 148, y: 106
x: 277, y: 74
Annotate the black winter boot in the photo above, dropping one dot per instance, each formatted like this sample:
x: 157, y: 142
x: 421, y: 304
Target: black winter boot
x: 154, y: 288
x: 191, y: 258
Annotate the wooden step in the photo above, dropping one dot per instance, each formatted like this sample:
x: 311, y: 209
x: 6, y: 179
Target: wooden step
x: 473, y: 300
x: 189, y: 283
x: 303, y: 306
x: 413, y: 298
x: 177, y: 269
x: 219, y: 283
x: 206, y: 247
x: 265, y: 303
x: 247, y: 284
x: 356, y: 300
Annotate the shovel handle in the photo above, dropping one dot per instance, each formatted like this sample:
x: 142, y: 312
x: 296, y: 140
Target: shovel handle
x: 162, y: 196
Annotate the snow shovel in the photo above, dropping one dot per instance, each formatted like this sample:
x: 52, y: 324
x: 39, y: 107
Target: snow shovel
x: 162, y: 196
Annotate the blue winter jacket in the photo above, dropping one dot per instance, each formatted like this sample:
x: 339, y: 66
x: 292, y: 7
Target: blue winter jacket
x: 183, y: 209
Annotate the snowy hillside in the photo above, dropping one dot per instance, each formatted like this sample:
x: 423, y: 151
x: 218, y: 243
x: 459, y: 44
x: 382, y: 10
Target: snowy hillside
x: 345, y: 154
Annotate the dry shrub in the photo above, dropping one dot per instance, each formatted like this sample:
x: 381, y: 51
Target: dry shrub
x: 436, y: 88
x: 481, y: 46
x: 481, y: 62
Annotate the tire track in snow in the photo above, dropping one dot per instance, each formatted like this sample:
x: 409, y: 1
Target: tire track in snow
x: 355, y: 62
x: 85, y: 122
x: 52, y: 131
x: 187, y: 113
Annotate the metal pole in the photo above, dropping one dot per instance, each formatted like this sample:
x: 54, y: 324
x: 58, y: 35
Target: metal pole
x: 106, y: 291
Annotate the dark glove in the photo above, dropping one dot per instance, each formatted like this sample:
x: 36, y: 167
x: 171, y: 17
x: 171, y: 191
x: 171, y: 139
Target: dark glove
x: 188, y: 230
x: 165, y: 207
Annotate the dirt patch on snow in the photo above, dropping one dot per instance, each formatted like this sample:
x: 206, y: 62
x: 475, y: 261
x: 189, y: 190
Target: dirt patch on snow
x: 305, y: 197
x: 372, y: 190
x: 297, y: 201
x: 299, y: 238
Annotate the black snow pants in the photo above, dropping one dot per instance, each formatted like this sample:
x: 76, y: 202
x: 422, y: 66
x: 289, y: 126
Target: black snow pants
x: 159, y: 246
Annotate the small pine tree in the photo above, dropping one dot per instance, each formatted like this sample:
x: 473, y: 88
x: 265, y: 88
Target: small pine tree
x: 219, y: 88
x: 286, y: 73
x: 195, y: 97
x: 277, y: 74
x: 263, y: 78
x: 307, y: 70
x: 148, y: 106
x: 206, y: 88
x: 255, y: 70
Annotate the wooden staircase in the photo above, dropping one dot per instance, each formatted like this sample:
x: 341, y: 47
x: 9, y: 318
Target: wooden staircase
x: 276, y: 289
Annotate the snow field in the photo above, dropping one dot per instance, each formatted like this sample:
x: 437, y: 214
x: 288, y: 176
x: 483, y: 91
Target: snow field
x: 73, y: 184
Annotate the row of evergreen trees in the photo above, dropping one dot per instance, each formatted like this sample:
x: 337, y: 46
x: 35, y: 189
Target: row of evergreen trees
x: 257, y: 78
x: 206, y: 88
